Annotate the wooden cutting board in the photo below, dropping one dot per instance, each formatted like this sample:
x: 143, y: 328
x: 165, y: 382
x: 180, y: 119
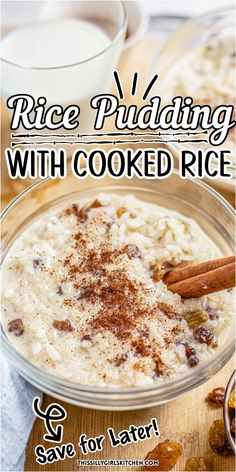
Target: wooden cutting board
x: 185, y: 420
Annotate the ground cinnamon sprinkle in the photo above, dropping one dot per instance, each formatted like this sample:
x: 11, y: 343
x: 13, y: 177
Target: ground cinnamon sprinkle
x: 120, y: 359
x: 122, y: 310
x: 93, y: 261
x: 166, y: 308
x: 63, y: 325
x: 106, y: 320
x: 118, y: 296
x: 142, y: 348
x: 78, y: 237
x: 159, y: 365
x: 121, y: 303
x: 79, y: 213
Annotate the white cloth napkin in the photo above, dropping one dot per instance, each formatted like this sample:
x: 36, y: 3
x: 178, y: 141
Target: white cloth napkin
x: 17, y: 417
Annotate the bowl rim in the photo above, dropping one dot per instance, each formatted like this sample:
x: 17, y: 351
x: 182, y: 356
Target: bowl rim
x: 195, y: 181
x: 230, y: 385
x: 202, y: 372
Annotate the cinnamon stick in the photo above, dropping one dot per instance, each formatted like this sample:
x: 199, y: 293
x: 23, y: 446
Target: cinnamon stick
x: 175, y: 275
x: 201, y: 279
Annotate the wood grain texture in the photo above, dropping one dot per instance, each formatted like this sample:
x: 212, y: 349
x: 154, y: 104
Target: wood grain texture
x: 186, y: 419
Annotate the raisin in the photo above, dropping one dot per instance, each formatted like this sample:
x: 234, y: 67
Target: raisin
x: 16, y: 327
x: 233, y: 426
x: 217, y: 438
x: 144, y: 333
x: 120, y: 211
x: 167, y: 453
x: 232, y: 398
x: 160, y: 270
x: 215, y: 342
x: 195, y: 463
x: 132, y: 251
x: 82, y: 215
x: 204, y: 336
x: 77, y: 236
x: 195, y: 318
x: 64, y: 325
x: 217, y: 395
x: 120, y: 359
x: 37, y: 262
x: 190, y: 353
x: 84, y: 292
x: 59, y: 290
x: 109, y: 224
x: 74, y: 208
x: 209, y: 460
x: 86, y: 337
x: 158, y: 273
x: 95, y: 204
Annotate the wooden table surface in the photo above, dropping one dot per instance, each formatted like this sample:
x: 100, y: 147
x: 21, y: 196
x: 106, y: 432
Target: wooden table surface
x: 186, y: 419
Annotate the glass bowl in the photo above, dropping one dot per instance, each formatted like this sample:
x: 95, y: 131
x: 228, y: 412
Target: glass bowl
x: 193, y: 199
x: 195, y: 33
x: 228, y: 411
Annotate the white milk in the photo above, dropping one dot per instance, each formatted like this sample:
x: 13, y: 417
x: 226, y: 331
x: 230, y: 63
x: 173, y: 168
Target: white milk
x: 54, y: 44
x: 46, y: 57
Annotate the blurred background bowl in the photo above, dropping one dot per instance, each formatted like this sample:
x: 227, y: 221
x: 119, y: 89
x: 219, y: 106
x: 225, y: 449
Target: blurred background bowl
x: 229, y: 413
x: 192, y: 35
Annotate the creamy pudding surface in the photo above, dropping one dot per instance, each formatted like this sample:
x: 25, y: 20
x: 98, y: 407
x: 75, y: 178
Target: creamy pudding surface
x: 83, y: 299
x: 206, y: 74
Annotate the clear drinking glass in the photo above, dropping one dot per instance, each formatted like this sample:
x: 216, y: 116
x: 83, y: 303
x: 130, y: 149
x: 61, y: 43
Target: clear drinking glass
x: 74, y: 83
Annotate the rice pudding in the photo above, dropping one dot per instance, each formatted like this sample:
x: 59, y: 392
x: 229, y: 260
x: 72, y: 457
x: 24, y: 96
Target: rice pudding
x: 207, y: 75
x: 83, y: 296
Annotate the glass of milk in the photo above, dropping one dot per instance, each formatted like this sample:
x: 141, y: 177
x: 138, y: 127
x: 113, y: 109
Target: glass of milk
x: 65, y: 51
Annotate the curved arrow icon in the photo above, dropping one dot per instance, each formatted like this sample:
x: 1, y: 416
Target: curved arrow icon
x: 53, y: 412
